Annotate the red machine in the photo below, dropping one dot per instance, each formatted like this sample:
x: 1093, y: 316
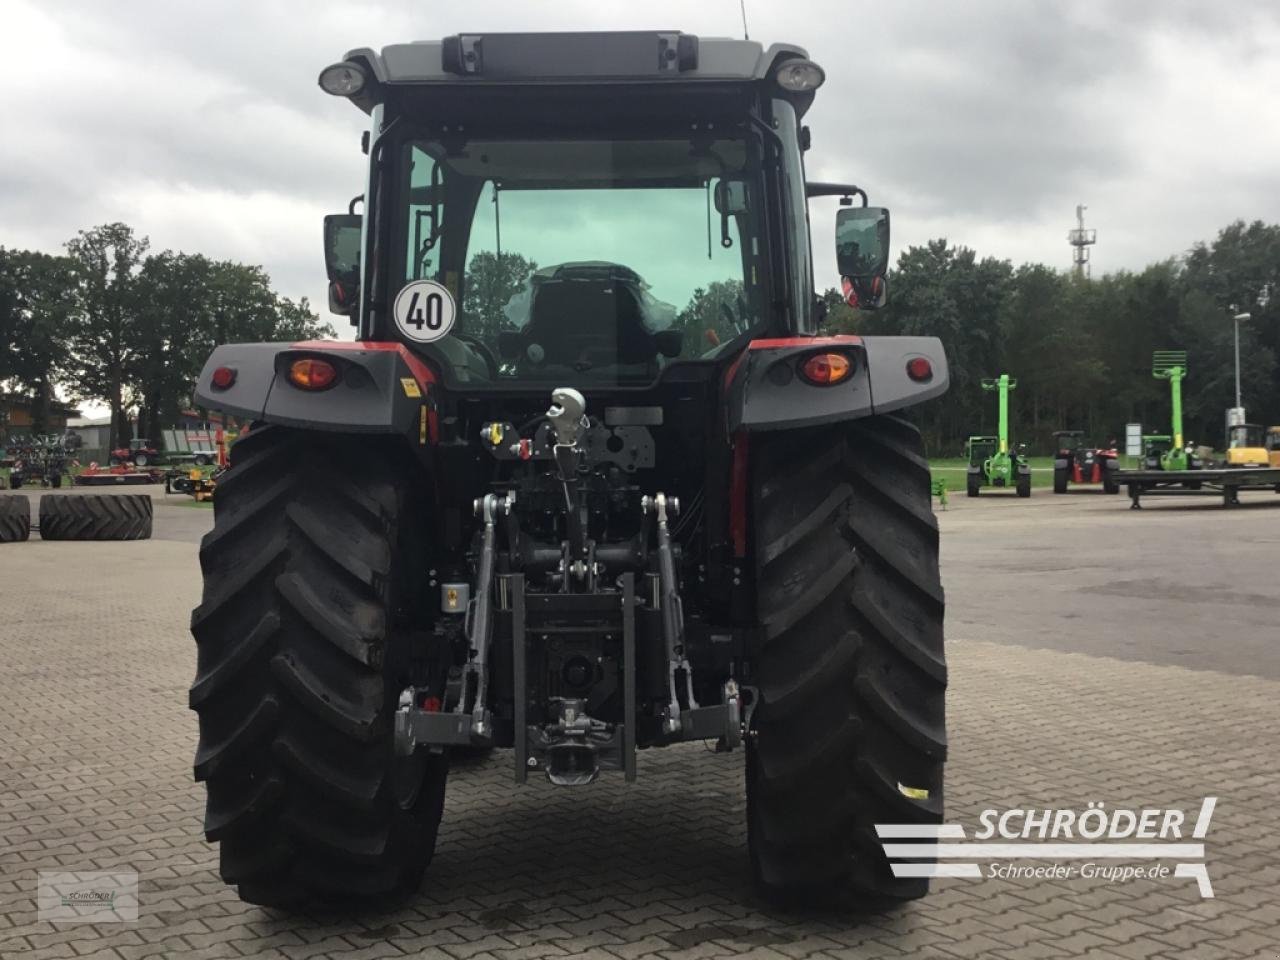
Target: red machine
x: 139, y: 452
x: 1076, y: 460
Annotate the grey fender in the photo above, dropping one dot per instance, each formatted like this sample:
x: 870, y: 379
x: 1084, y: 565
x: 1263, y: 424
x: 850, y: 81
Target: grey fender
x: 378, y: 390
x: 891, y: 387
x: 766, y: 391
x: 1060, y: 464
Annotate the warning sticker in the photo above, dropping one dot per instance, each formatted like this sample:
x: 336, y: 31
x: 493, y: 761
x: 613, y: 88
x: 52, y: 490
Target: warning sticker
x: 424, y: 311
x: 410, y: 387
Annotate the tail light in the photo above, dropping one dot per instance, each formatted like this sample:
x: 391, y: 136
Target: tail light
x: 223, y: 378
x: 826, y: 369
x: 311, y: 373
x: 920, y: 369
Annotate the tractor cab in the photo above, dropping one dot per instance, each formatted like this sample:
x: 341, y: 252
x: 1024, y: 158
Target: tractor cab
x: 979, y: 449
x: 613, y: 212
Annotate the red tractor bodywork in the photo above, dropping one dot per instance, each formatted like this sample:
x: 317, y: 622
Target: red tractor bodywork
x: 1078, y: 461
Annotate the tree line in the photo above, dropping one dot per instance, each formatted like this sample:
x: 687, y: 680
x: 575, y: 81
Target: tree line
x: 111, y: 322
x: 1081, y: 349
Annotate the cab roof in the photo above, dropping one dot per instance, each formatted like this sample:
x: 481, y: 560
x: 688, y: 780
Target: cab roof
x: 520, y: 59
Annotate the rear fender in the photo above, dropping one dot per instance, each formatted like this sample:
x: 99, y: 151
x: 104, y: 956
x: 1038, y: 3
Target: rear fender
x: 382, y: 388
x: 766, y: 392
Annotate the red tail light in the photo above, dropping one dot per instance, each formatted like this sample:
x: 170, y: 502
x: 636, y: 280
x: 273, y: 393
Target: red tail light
x: 825, y: 369
x: 919, y: 369
x: 223, y: 377
x: 310, y: 373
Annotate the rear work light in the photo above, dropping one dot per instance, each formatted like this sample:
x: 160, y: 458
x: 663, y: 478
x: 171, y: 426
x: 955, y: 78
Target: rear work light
x: 920, y: 369
x: 342, y: 79
x: 826, y: 369
x: 310, y: 373
x: 223, y: 378
x: 800, y: 76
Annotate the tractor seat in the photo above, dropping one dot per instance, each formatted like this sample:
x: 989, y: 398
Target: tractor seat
x: 592, y: 326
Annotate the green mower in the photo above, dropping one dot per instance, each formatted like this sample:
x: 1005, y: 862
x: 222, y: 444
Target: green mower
x: 991, y: 460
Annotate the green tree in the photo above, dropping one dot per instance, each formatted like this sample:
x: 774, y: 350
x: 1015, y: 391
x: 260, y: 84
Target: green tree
x: 491, y: 281
x: 104, y: 340
x: 37, y: 302
x: 296, y: 321
x: 712, y: 316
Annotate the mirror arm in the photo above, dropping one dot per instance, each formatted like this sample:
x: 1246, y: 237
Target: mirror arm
x: 844, y: 190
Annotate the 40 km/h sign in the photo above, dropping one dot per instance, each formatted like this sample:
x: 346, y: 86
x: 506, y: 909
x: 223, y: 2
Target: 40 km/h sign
x: 424, y: 311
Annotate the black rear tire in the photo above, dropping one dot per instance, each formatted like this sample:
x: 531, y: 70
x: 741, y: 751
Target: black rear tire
x: 1024, y: 485
x: 849, y: 730
x: 15, y: 481
x: 15, y: 519
x: 1059, y: 481
x: 313, y: 571
x: 972, y: 485
x: 95, y: 516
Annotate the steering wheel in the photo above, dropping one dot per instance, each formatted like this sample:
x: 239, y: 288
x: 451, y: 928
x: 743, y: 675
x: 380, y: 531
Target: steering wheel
x: 482, y: 348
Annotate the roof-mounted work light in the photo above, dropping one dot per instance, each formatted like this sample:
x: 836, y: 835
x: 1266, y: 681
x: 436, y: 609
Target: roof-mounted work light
x: 800, y: 76
x: 342, y: 79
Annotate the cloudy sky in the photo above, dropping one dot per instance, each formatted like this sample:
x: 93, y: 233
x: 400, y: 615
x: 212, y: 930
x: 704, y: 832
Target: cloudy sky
x: 985, y: 122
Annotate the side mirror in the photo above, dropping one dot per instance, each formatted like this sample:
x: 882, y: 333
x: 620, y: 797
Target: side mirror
x: 731, y: 197
x: 342, y: 261
x: 862, y: 254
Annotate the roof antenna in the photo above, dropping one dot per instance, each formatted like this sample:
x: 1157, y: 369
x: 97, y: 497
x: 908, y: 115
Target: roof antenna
x: 742, y: 5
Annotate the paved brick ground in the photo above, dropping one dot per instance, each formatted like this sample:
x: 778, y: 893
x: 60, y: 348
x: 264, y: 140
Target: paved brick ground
x: 96, y: 745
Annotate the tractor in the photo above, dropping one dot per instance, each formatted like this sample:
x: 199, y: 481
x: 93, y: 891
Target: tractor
x: 1077, y: 460
x: 992, y: 462
x: 541, y: 505
x: 139, y: 452
x: 1171, y: 451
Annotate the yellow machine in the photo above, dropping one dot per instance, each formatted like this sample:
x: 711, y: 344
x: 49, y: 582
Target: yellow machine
x: 1248, y: 445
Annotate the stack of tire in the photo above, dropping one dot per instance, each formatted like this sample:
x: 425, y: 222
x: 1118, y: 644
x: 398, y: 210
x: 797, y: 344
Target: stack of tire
x: 78, y: 517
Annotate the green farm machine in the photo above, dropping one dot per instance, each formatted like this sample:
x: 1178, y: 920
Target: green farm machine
x: 1170, y: 451
x: 991, y: 460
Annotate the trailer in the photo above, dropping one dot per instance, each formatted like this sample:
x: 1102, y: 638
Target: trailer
x: 1226, y: 482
